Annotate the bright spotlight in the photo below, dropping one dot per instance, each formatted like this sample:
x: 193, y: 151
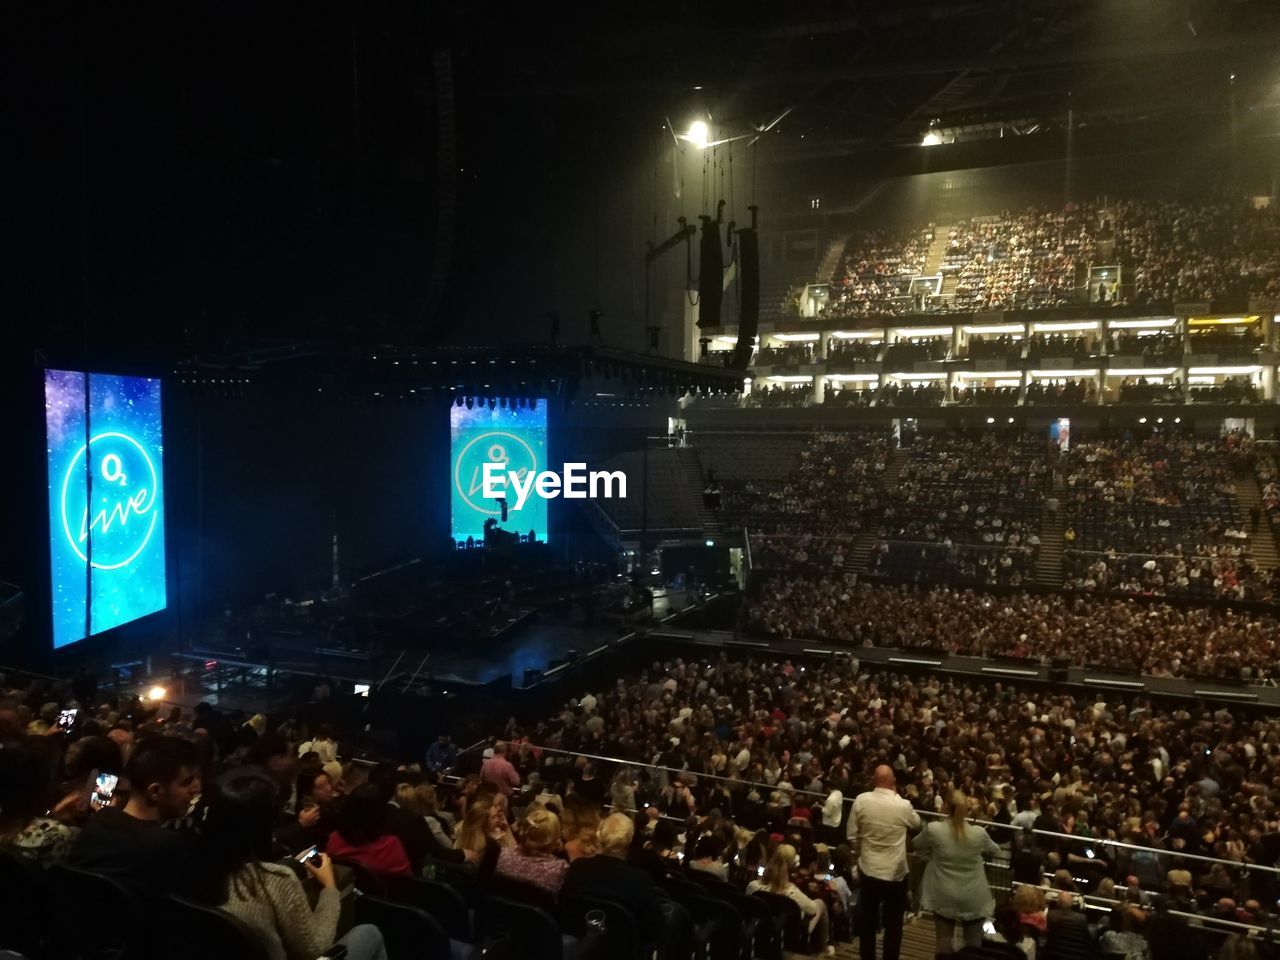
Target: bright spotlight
x: 931, y: 139
x: 156, y: 693
x: 698, y: 134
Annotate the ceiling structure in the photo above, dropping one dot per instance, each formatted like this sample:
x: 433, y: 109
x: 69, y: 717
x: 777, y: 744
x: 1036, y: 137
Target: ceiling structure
x: 862, y: 75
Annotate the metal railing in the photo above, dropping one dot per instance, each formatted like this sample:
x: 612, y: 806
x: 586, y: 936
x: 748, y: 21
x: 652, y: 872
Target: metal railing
x: 1092, y: 842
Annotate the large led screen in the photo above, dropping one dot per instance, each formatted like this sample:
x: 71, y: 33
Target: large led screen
x: 515, y: 438
x: 106, y: 501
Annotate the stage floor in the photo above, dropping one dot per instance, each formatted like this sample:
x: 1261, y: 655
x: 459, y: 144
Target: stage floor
x: 233, y: 684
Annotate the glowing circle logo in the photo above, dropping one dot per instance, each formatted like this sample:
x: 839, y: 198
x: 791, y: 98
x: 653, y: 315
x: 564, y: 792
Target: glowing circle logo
x: 114, y: 471
x: 495, y: 446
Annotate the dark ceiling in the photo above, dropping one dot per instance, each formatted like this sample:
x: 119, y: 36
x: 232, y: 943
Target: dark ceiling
x: 195, y: 174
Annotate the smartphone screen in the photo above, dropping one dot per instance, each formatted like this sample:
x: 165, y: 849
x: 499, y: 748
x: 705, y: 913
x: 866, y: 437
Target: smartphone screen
x: 67, y: 720
x: 307, y: 854
x: 989, y: 928
x: 104, y: 787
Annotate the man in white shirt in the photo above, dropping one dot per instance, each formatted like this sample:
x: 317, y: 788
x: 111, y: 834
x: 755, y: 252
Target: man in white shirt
x: 878, y: 827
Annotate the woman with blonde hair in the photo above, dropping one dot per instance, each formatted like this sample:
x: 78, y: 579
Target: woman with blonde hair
x: 579, y: 823
x: 484, y: 829
x: 777, y: 880
x: 954, y: 888
x: 533, y: 860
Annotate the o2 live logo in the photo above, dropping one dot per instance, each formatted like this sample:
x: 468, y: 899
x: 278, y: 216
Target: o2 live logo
x: 106, y: 501
x: 480, y: 455
x: 113, y: 501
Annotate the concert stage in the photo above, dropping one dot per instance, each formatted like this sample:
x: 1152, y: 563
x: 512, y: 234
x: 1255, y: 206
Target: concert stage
x: 538, y: 647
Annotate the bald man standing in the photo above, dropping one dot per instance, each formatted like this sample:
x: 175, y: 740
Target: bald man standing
x: 878, y: 826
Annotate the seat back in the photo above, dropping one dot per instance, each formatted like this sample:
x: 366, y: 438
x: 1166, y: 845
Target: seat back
x: 27, y: 901
x: 366, y: 880
x: 109, y: 920
x: 521, y: 892
x: 727, y: 938
x: 766, y: 929
x: 621, y: 933
x: 794, y: 935
x: 532, y: 931
x: 208, y: 933
x: 409, y: 933
x: 439, y: 899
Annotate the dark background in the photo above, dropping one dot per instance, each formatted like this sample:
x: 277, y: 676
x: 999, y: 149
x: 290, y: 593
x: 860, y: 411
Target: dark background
x: 195, y: 180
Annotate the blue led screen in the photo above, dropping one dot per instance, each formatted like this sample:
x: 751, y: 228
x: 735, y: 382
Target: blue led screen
x: 105, y: 448
x: 516, y: 438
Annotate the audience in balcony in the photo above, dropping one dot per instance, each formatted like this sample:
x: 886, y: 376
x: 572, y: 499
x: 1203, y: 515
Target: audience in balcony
x: 909, y: 350
x: 776, y: 395
x: 849, y: 351
x: 787, y: 354
x: 875, y: 273
x: 1054, y: 345
x: 1005, y: 346
x: 1146, y: 344
x: 901, y: 394
x: 1061, y: 391
x: 974, y: 394
x: 1150, y: 390
x: 1229, y: 390
x: 1198, y: 253
x: 848, y: 394
x: 1223, y: 343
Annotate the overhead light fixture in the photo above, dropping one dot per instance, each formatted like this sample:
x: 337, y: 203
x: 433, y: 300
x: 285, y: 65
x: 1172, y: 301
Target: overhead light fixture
x: 699, y: 133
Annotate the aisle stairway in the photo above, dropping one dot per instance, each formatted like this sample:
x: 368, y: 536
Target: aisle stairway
x: 1052, y: 526
x: 691, y: 463
x: 832, y: 257
x: 861, y: 549
x: 939, y: 247
x: 1262, y: 543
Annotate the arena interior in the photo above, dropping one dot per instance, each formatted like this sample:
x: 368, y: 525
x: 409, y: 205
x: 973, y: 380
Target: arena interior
x: 920, y: 592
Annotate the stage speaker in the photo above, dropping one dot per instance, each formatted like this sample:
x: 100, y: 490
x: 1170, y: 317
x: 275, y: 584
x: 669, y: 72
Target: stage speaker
x: 710, y: 273
x: 531, y: 676
x: 749, y: 302
x: 1058, y: 667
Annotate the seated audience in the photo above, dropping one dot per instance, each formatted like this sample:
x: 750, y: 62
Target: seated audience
x: 131, y: 844
x: 364, y: 836
x: 533, y: 859
x: 237, y: 876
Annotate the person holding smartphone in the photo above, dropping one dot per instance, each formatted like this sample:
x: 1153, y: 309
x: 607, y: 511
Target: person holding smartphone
x: 239, y: 877
x: 28, y: 826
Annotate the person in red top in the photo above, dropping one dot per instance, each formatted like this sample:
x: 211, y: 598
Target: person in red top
x: 499, y: 771
x: 362, y: 834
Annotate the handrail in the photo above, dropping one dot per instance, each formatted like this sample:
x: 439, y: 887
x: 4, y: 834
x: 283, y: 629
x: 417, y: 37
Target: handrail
x: 1071, y: 837
x: 1198, y: 918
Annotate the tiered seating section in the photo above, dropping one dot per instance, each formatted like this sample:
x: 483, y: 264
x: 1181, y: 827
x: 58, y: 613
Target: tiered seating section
x: 1159, y: 517
x: 875, y: 273
x: 671, y: 498
x: 1198, y: 252
x: 1020, y: 261
x: 809, y: 518
x: 964, y: 510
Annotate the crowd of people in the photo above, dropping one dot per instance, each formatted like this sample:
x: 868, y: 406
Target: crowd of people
x: 1155, y: 638
x: 1160, y: 516
x: 756, y: 765
x: 1018, y: 261
x: 1197, y: 252
x: 754, y: 758
x: 875, y: 273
